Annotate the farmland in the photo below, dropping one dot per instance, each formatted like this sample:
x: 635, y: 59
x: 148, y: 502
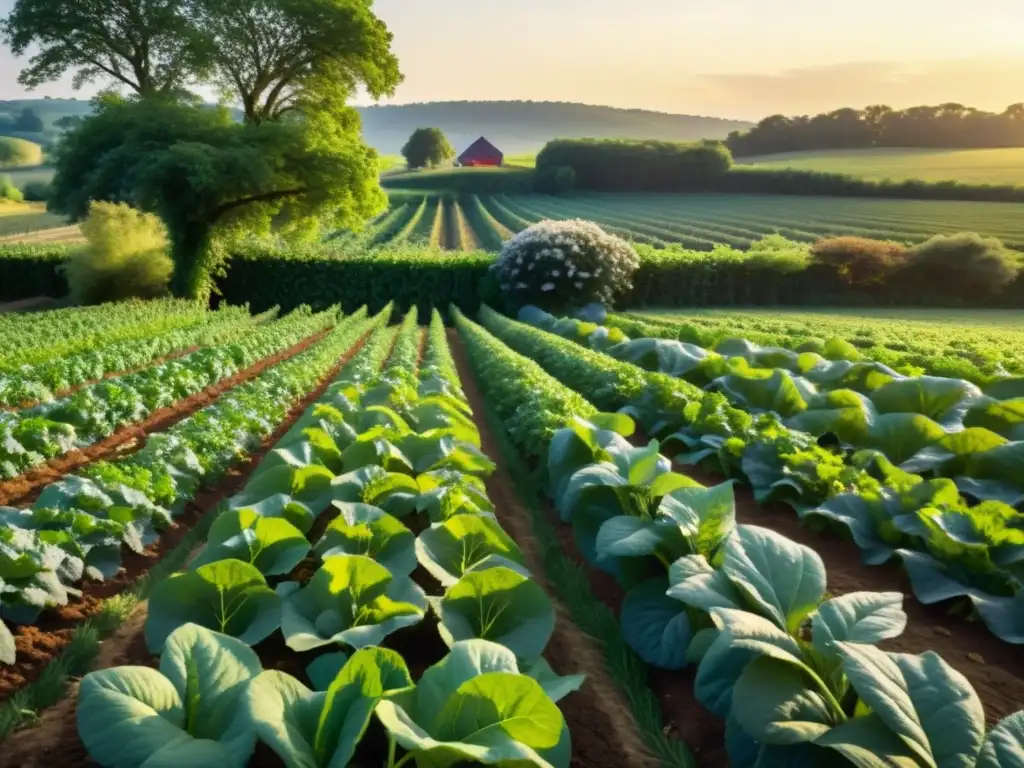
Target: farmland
x: 157, y: 454
x: 695, y: 221
x: 971, y: 166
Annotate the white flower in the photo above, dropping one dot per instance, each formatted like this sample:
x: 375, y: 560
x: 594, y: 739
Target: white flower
x: 559, y: 254
x: 585, y: 275
x: 579, y: 285
x: 555, y: 273
x: 515, y: 273
x: 521, y: 286
x: 548, y: 287
x: 531, y: 266
x: 571, y: 273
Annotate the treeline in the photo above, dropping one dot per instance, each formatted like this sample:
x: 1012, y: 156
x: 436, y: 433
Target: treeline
x: 655, y: 166
x: 946, y: 126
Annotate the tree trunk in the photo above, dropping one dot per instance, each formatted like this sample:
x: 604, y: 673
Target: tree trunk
x: 190, y: 252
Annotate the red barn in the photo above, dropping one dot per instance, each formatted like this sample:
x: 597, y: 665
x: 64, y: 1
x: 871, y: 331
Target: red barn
x: 482, y: 153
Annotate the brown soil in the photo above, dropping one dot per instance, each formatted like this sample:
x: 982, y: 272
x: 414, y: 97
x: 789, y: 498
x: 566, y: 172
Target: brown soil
x: 41, y: 642
x: 110, y: 375
x: 994, y: 668
x: 603, y: 732
x: 23, y: 490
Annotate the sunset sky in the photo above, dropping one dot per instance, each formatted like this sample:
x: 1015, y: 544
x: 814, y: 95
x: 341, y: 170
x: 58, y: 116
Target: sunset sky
x: 730, y: 58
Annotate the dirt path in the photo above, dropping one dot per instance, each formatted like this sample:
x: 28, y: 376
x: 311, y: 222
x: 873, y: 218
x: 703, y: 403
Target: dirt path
x: 23, y: 490
x: 994, y: 668
x: 603, y: 733
x: 38, y: 644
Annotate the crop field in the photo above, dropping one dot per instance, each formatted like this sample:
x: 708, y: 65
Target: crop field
x: 695, y: 221
x: 968, y: 166
x: 18, y: 219
x: 315, y: 521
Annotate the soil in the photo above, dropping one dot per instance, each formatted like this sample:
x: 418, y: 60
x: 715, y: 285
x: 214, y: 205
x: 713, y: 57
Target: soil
x: 37, y: 304
x: 23, y: 490
x: 41, y: 642
x: 603, y: 733
x: 994, y: 668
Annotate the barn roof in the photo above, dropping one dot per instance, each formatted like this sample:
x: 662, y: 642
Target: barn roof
x: 481, y: 148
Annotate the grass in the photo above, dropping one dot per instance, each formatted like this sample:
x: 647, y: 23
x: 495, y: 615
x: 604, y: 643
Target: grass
x: 970, y: 166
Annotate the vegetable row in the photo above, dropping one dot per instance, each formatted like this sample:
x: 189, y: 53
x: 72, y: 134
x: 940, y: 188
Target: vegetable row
x: 80, y: 525
x: 797, y: 677
x: 31, y: 436
x: 320, y: 546
x: 950, y: 549
x: 31, y: 384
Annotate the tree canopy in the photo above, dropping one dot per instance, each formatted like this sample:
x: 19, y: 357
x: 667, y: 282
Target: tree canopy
x: 946, y: 126
x: 427, y: 148
x: 205, y: 175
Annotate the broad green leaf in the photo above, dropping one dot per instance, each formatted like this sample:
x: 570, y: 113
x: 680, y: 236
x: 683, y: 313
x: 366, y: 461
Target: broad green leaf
x: 189, y: 710
x: 1004, y: 745
x: 705, y: 516
x: 784, y: 580
x: 857, y: 617
x: 351, y: 600
x: 500, y: 605
x: 777, y: 704
x: 362, y: 529
x: 694, y: 582
x: 466, y: 543
x: 465, y: 660
x: 323, y: 669
x: 272, y: 544
x: 556, y: 686
x: 229, y: 596
x: 655, y: 625
x: 930, y: 396
x: 922, y: 699
x: 868, y: 743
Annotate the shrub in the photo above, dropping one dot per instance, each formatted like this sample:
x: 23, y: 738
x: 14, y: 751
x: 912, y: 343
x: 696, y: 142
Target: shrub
x: 36, y: 191
x: 560, y: 264
x: 126, y: 256
x: 859, y: 262
x: 15, y: 152
x: 965, y: 266
x: 555, y: 180
x: 8, y: 191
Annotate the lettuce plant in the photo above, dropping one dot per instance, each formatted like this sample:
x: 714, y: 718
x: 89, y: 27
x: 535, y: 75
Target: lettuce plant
x: 272, y: 544
x: 362, y: 529
x: 466, y: 543
x: 189, y: 712
x: 351, y: 600
x: 474, y: 706
x: 500, y: 605
x: 228, y: 596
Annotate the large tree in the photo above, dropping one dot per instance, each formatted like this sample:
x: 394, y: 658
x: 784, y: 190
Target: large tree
x: 206, y: 175
x: 147, y: 46
x: 427, y: 148
x: 279, y: 56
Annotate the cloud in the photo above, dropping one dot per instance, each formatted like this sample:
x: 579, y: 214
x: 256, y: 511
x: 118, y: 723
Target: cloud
x: 986, y: 83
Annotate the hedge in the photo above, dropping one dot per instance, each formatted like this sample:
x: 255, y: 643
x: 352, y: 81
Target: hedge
x: 27, y: 271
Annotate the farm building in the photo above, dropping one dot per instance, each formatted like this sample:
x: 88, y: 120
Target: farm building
x: 482, y: 153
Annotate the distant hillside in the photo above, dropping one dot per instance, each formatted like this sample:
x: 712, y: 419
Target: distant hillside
x: 516, y: 127
x: 521, y: 127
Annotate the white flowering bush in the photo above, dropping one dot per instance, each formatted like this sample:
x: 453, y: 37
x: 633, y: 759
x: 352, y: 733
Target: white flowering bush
x: 560, y: 264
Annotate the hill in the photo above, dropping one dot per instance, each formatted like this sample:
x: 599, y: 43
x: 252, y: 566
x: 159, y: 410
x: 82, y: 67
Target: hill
x: 969, y: 166
x: 523, y: 127
x: 516, y: 127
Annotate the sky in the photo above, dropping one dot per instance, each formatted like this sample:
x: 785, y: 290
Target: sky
x: 742, y: 59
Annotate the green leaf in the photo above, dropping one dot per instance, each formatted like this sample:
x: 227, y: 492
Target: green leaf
x: 465, y: 543
x: 931, y: 396
x: 500, y: 605
x: 776, y: 704
x: 229, y: 596
x: 362, y: 529
x: 309, y: 729
x: 1004, y: 745
x: 783, y: 579
x: 931, y: 706
x: 857, y: 617
x: 273, y: 545
x: 705, y: 516
x: 655, y: 625
x: 556, y: 686
x: 189, y: 710
x: 351, y: 600
x: 867, y: 743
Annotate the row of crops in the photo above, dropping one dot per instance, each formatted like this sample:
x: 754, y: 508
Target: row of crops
x: 700, y: 222
x: 355, y: 598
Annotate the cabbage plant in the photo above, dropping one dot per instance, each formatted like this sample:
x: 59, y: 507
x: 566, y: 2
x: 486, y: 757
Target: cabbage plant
x: 188, y: 712
x: 362, y: 529
x: 465, y: 543
x: 272, y: 544
x: 351, y: 600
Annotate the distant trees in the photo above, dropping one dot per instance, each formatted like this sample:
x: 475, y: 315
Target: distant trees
x: 427, y: 148
x: 29, y: 122
x: 947, y: 126
x: 68, y: 122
